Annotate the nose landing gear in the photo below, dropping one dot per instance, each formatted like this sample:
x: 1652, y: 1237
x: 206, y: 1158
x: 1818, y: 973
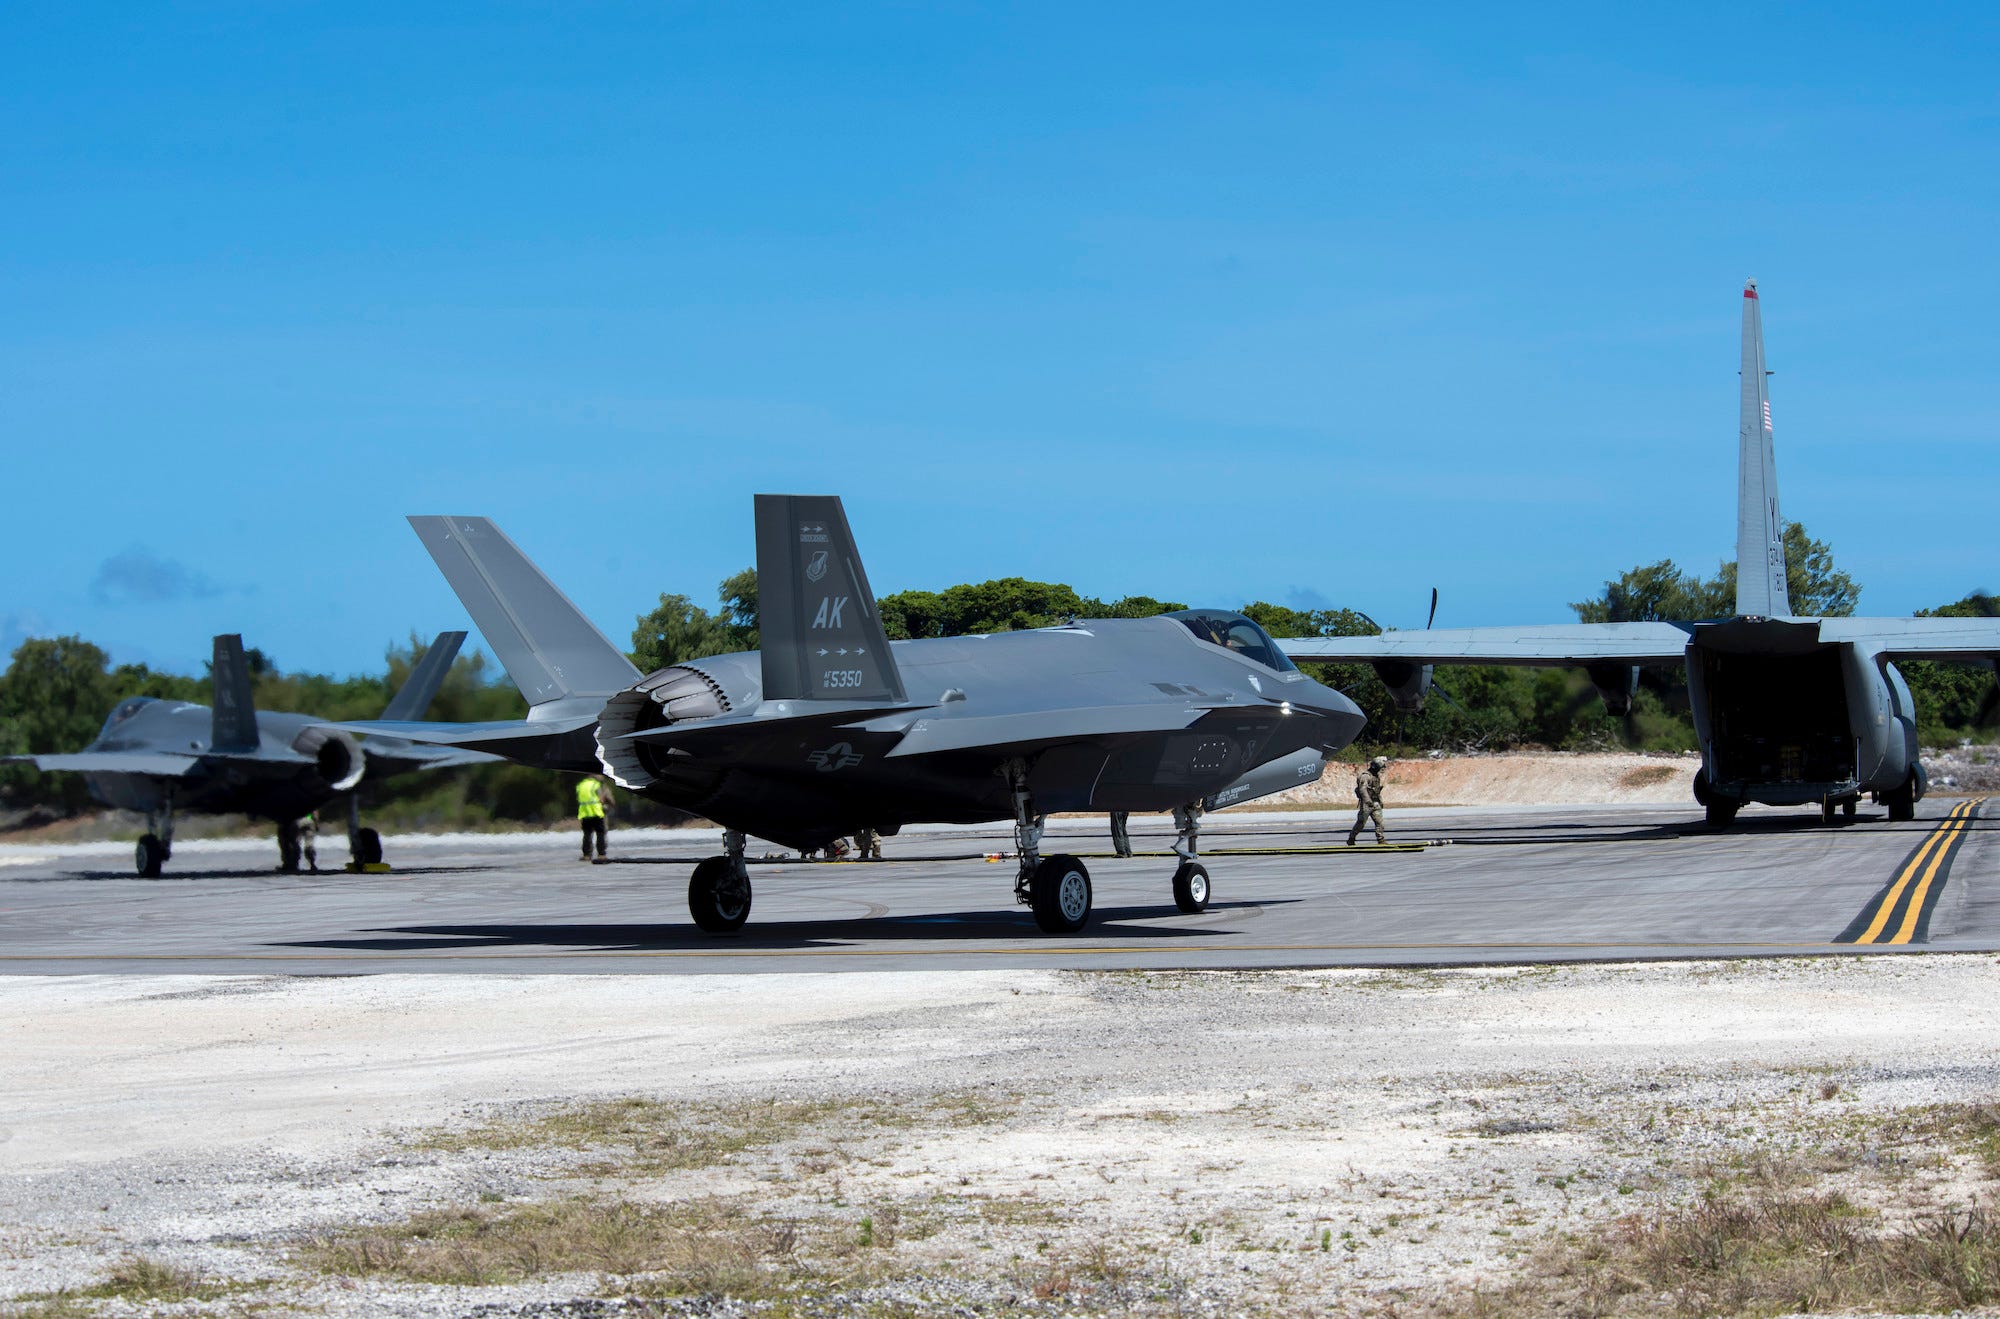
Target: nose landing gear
x: 1190, y: 876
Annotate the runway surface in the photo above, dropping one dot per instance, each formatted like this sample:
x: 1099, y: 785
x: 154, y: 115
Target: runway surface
x: 1488, y: 885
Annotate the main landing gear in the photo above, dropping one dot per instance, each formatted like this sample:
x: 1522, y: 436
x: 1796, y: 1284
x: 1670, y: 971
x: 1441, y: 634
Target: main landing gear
x: 156, y: 845
x: 1055, y: 888
x: 1190, y: 876
x: 719, y: 890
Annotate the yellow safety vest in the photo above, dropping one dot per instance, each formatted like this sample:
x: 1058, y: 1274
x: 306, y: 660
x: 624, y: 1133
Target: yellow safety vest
x: 589, y: 801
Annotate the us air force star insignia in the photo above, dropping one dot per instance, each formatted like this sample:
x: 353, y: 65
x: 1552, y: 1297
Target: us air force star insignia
x: 834, y: 758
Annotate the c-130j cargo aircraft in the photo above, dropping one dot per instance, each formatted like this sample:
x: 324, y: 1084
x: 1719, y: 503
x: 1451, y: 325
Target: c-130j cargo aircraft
x: 1788, y: 710
x: 830, y: 728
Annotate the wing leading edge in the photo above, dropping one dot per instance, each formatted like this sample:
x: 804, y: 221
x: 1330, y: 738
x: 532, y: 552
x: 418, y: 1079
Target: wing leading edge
x: 1554, y: 644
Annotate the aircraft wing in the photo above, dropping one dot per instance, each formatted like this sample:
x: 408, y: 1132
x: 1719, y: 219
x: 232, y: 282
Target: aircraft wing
x: 159, y: 764
x: 1553, y: 644
x: 464, y: 735
x: 1919, y: 638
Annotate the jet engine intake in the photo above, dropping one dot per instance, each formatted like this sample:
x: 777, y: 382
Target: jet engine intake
x: 337, y: 758
x: 673, y: 695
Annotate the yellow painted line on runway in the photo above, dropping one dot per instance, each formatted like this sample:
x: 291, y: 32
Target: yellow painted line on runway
x: 1925, y: 862
x: 1951, y: 834
x: 1902, y: 881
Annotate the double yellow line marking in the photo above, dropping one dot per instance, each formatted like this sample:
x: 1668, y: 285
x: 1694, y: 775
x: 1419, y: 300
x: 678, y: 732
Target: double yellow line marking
x: 1896, y: 913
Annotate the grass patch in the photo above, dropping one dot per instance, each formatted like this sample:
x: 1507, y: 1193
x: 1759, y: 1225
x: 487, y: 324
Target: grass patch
x: 1753, y: 1253
x: 647, y: 1136
x: 687, y: 1248
x: 1647, y: 775
x: 136, y: 1279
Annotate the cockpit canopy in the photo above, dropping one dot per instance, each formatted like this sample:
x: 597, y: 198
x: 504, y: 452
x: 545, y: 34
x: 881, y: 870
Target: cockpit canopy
x: 1235, y: 632
x: 123, y: 711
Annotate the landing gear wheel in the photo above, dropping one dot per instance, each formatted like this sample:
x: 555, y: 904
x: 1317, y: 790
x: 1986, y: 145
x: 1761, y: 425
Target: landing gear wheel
x: 1848, y: 810
x: 1191, y: 887
x: 1902, y: 802
x: 1060, y: 895
x: 149, y: 855
x: 1826, y: 812
x: 719, y: 896
x: 368, y: 847
x: 1722, y: 811
x: 1701, y: 787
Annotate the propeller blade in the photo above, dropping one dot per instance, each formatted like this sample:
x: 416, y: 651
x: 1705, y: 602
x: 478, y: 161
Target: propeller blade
x: 1434, y: 609
x: 1438, y: 687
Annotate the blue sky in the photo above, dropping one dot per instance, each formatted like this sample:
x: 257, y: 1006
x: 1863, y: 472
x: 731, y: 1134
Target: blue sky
x: 1310, y: 303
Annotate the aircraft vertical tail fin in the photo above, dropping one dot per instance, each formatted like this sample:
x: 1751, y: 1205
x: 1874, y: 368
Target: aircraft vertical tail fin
x: 821, y: 637
x: 421, y: 687
x: 234, y: 713
x: 1761, y: 588
x: 550, y: 650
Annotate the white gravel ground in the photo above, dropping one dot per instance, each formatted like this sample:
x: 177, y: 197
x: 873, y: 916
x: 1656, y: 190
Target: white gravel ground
x: 1215, y: 1129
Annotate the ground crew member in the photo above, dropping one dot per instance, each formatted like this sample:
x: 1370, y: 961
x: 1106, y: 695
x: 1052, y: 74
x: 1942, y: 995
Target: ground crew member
x: 1121, y: 838
x: 867, y: 846
x: 1368, y: 799
x: 309, y: 839
x: 591, y: 799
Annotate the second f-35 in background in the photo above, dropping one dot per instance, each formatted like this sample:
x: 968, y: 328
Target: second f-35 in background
x: 1788, y: 710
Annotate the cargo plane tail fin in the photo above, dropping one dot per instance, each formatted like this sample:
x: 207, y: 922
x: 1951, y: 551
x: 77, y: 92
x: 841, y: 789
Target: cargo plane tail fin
x: 1761, y: 588
x: 820, y: 635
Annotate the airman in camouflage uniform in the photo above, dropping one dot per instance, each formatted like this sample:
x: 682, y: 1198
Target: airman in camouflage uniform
x: 1368, y: 799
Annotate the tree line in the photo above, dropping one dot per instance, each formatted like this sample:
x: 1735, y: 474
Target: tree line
x: 56, y: 692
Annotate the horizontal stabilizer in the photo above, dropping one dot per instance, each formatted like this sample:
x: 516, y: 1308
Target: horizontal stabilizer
x: 550, y: 650
x: 156, y: 764
x: 1969, y: 639
x: 466, y: 735
x: 421, y: 687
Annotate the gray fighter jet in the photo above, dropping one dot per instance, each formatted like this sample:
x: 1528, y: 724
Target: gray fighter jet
x: 162, y: 757
x: 831, y: 728
x: 1788, y: 710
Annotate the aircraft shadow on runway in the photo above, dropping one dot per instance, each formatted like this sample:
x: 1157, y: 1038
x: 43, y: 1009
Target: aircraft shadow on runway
x: 264, y: 872
x: 1109, y: 924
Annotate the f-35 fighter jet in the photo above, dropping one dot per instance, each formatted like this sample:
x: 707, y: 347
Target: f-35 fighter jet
x: 1789, y: 710
x: 831, y: 728
x: 163, y: 757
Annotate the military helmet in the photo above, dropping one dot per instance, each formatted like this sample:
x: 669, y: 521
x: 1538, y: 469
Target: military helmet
x: 1380, y: 762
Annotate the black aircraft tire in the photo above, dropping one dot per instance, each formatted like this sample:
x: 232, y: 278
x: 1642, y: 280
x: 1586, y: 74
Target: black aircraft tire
x: 1722, y: 811
x: 1849, y: 809
x: 368, y: 847
x: 711, y: 902
x: 1826, y: 809
x: 148, y: 856
x: 1701, y: 787
x: 1060, y: 894
x: 1191, y: 887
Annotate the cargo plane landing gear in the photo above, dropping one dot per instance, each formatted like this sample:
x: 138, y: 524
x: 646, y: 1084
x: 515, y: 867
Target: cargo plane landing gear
x: 1055, y: 888
x: 719, y: 890
x: 1190, y: 876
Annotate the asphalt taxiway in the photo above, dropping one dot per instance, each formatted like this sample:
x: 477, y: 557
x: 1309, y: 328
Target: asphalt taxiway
x: 1460, y: 886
